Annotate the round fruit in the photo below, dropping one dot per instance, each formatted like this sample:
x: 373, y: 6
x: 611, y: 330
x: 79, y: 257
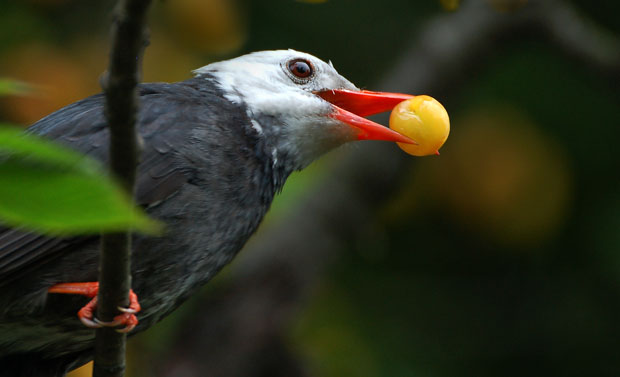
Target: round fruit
x: 423, y: 119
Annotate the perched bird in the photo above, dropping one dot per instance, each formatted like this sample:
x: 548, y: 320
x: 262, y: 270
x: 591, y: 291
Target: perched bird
x: 217, y: 148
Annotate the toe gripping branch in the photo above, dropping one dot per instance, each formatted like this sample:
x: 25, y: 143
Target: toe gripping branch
x: 87, y: 313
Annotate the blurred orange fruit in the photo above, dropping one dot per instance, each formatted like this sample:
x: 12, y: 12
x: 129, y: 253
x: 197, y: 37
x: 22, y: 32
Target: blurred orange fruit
x: 500, y: 177
x: 209, y: 26
x: 165, y: 60
x: 450, y: 5
x: 505, y: 6
x: 58, y: 79
x: 505, y: 178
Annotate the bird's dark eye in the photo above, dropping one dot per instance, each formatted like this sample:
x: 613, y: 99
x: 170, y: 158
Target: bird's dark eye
x: 300, y: 68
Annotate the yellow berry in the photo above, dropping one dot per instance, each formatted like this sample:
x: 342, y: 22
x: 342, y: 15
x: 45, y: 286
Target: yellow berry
x: 423, y: 119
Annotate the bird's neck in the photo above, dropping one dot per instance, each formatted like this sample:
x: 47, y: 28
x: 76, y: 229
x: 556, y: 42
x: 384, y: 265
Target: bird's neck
x: 277, y: 162
x: 280, y: 142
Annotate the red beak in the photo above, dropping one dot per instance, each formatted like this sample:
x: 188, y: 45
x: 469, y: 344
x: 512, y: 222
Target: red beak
x: 351, y: 106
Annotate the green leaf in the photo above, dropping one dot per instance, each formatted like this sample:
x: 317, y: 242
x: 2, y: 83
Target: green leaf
x: 54, y: 190
x: 12, y: 87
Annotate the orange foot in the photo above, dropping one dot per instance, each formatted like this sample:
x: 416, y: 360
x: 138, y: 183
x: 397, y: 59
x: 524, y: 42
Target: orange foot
x: 86, y: 314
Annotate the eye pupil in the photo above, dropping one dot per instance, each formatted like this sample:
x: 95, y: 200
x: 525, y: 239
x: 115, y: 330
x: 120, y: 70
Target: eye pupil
x: 300, y: 68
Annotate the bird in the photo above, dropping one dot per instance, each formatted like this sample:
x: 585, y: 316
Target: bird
x: 217, y: 148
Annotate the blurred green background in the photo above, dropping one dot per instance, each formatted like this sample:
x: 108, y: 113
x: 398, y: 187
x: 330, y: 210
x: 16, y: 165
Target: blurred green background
x: 501, y: 257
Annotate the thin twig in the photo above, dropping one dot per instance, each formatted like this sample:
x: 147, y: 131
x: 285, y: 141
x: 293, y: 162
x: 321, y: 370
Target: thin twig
x: 119, y: 84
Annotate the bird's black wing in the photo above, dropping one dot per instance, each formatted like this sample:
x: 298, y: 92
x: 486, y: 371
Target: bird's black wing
x: 82, y: 126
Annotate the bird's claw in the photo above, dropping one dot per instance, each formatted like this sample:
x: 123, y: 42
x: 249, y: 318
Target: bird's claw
x: 129, y: 320
x: 93, y: 324
x: 126, y: 310
x: 127, y: 317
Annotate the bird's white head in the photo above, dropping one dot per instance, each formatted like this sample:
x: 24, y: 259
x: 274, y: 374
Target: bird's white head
x: 300, y: 104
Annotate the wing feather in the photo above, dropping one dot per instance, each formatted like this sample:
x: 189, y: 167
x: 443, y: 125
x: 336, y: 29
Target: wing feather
x: 82, y: 126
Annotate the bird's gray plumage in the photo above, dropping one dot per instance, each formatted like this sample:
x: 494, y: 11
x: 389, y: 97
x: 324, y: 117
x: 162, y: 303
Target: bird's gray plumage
x: 222, y: 184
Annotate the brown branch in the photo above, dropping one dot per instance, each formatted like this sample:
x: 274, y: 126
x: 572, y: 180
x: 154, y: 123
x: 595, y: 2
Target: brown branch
x: 119, y: 84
